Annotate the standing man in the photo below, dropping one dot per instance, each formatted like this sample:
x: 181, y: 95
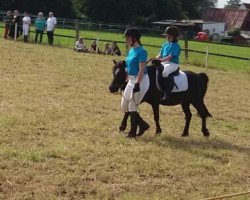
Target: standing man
x: 26, y: 26
x: 51, y: 25
x: 7, y: 19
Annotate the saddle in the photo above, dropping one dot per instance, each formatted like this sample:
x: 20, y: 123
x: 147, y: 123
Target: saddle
x: 160, y: 78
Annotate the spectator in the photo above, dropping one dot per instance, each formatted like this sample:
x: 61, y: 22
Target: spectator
x: 26, y: 26
x: 107, y: 48
x: 7, y: 20
x: 115, y: 49
x: 40, y: 24
x: 51, y: 25
x: 16, y: 20
x: 93, y: 47
x: 80, y: 45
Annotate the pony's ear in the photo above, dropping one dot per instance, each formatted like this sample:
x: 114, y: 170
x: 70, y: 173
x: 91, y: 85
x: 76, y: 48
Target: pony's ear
x: 124, y: 63
x: 114, y: 61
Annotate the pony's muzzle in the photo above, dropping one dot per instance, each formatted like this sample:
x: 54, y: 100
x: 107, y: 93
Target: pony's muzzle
x: 113, y: 88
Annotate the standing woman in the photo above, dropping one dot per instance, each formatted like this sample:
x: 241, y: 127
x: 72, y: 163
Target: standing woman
x: 138, y: 81
x: 16, y: 20
x: 26, y: 26
x: 39, y: 26
x: 7, y: 20
x: 169, y: 58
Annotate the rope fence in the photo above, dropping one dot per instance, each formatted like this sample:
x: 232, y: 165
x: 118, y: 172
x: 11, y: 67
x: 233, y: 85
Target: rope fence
x: 229, y: 196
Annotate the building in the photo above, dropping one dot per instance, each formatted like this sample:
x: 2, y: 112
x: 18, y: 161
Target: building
x: 233, y: 18
x: 244, y: 6
x: 193, y: 26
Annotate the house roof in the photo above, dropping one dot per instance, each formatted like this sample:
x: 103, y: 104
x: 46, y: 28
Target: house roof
x: 247, y: 5
x: 234, y: 18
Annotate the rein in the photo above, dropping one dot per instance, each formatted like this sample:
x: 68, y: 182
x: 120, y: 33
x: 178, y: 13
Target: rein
x: 150, y: 60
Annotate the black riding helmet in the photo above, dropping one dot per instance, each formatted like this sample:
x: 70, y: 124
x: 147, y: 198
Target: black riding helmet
x: 171, y: 30
x: 133, y: 32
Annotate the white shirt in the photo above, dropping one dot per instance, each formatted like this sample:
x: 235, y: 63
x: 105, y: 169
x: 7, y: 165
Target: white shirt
x: 51, y: 23
x: 79, y: 45
x: 26, y: 21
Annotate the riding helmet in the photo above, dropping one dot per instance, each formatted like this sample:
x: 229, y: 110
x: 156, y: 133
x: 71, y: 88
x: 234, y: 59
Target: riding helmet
x: 171, y: 30
x: 133, y: 32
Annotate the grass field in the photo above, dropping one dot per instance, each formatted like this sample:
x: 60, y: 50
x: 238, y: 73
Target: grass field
x: 194, y: 58
x: 59, y: 138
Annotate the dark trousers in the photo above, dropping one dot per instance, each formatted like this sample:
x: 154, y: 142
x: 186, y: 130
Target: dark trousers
x: 39, y: 32
x: 50, y: 35
x: 6, y: 31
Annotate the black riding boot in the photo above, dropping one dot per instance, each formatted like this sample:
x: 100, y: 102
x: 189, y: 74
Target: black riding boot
x: 168, y: 84
x: 133, y: 120
x: 25, y: 38
x: 143, y: 126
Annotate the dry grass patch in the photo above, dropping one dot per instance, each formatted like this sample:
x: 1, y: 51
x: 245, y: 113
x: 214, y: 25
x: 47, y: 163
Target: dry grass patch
x: 59, y: 138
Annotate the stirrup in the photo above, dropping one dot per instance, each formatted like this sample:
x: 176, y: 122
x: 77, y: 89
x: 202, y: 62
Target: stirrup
x: 165, y: 97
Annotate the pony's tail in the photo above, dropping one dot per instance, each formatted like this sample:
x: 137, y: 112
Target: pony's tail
x: 205, y: 79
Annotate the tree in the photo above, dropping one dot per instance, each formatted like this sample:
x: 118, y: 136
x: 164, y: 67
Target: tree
x: 233, y: 4
x: 62, y: 8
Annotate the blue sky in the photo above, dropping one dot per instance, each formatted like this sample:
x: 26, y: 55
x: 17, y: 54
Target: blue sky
x: 221, y: 3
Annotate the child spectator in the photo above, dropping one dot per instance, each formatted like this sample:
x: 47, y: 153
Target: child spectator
x: 7, y: 19
x: 40, y: 25
x: 80, y: 45
x: 107, y: 49
x: 93, y: 47
x: 115, y: 49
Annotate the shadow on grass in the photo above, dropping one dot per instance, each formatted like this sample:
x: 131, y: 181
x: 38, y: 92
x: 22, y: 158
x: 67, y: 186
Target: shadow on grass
x: 192, y: 145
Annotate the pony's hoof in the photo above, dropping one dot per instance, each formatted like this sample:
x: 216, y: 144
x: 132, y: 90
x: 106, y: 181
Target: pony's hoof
x: 206, y: 133
x: 122, y: 128
x: 131, y: 136
x: 184, y: 134
x: 158, y: 131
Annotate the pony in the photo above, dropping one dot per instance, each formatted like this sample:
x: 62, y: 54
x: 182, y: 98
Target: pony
x: 194, y: 95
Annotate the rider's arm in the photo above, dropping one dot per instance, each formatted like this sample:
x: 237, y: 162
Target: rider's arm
x: 142, y: 65
x: 166, y: 59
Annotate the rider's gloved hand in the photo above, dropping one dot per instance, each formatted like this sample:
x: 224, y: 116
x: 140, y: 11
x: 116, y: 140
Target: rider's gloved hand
x: 136, y: 88
x: 156, y: 62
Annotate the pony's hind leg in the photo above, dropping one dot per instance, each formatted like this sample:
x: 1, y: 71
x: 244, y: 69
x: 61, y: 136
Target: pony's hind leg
x: 203, y: 112
x: 157, y: 118
x: 188, y: 116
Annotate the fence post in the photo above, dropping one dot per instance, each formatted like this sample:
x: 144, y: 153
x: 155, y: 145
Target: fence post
x: 77, y: 27
x: 186, y: 46
x: 15, y: 34
x: 206, y: 61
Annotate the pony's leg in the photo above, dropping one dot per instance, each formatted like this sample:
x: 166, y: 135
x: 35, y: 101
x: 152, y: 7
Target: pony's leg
x: 123, y: 125
x: 157, y: 118
x: 200, y: 107
x: 188, y: 116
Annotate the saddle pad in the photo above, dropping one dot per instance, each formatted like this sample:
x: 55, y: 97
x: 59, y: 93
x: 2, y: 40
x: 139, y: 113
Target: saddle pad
x: 181, y: 82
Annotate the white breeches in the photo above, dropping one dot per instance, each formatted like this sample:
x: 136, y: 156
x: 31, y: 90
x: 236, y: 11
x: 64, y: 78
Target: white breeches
x: 130, y: 100
x: 26, y: 29
x: 169, y: 67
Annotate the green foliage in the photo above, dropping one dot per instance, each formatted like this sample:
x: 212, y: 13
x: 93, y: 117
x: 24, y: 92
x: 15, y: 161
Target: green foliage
x: 62, y: 8
x: 133, y: 12
x: 233, y: 4
x: 234, y: 32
